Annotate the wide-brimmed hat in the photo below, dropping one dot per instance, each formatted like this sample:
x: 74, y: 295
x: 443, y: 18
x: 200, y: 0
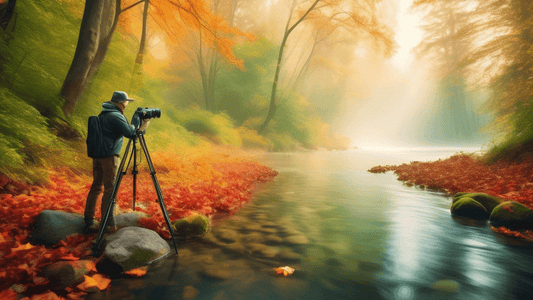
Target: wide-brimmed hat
x: 120, y: 96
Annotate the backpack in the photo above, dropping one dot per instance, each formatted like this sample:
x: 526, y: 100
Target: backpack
x: 96, y: 146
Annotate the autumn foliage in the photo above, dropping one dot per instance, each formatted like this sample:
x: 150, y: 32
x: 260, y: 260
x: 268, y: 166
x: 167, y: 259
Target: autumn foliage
x: 172, y: 20
x: 208, y: 183
x: 467, y: 173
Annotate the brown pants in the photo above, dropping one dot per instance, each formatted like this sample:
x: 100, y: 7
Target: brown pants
x: 104, y: 175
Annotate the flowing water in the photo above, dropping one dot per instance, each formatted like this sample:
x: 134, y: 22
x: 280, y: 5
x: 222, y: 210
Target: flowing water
x: 348, y: 233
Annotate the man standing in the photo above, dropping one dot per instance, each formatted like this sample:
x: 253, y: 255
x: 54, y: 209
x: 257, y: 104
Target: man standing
x: 114, y: 126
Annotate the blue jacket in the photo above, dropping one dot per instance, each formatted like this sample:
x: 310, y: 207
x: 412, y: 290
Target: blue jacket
x: 114, y: 127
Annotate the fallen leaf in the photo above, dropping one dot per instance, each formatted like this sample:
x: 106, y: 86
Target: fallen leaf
x: 102, y: 282
x: 96, y: 281
x: 286, y: 271
x: 8, y: 294
x: 45, y: 296
x: 23, y: 247
x: 90, y: 265
x: 89, y: 285
x: 508, y: 207
x: 76, y: 295
x: 137, y: 272
x: 40, y: 280
x: 69, y: 257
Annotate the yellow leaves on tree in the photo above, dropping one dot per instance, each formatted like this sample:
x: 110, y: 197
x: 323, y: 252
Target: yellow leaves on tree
x: 171, y: 20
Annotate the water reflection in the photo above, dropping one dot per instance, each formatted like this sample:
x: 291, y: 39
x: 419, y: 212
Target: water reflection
x: 349, y: 234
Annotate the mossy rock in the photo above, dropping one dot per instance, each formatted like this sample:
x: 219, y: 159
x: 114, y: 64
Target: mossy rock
x: 512, y: 215
x: 488, y: 201
x: 459, y: 195
x: 469, y: 208
x: 191, y: 226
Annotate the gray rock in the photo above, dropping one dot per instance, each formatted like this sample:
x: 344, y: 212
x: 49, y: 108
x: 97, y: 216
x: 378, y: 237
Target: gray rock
x: 51, y: 226
x: 134, y: 247
x: 129, y: 219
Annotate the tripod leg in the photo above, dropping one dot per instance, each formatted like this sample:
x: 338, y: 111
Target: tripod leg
x: 157, y: 189
x: 134, y: 171
x: 112, y: 200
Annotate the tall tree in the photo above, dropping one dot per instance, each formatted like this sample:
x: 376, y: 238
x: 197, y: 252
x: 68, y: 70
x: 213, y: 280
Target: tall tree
x: 205, y: 55
x: 136, y: 77
x: 503, y: 61
x: 442, y: 21
x: 352, y: 15
x: 453, y: 116
x: 100, y: 19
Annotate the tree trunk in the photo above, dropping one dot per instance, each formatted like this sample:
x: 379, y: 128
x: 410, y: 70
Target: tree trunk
x: 136, y: 76
x: 272, y: 107
x: 6, y: 13
x: 142, y: 46
x: 97, y: 26
x: 203, y: 74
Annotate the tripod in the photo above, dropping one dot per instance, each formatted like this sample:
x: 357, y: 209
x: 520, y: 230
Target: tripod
x: 121, y: 172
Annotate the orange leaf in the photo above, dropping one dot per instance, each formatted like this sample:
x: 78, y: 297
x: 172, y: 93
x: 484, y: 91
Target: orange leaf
x: 137, y: 272
x: 88, y: 283
x: 45, y: 296
x: 8, y: 294
x: 508, y: 207
x: 285, y: 271
x: 22, y: 247
x: 90, y: 265
x: 40, y: 280
x: 102, y: 282
x: 75, y: 295
x: 70, y: 257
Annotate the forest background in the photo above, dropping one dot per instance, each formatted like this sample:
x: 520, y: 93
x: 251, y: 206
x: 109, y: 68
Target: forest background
x: 210, y: 68
x: 269, y: 75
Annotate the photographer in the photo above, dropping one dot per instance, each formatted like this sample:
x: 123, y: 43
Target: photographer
x: 113, y: 126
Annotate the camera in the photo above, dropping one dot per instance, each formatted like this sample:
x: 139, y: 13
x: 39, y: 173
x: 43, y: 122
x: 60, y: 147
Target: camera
x: 144, y: 113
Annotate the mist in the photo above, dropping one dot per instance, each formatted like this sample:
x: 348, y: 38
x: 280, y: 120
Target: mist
x: 398, y: 101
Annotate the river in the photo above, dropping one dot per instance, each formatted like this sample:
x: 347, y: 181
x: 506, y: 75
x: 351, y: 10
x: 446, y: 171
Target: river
x: 348, y: 233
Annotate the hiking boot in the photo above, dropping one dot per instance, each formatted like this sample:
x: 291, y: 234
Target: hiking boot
x: 92, y: 228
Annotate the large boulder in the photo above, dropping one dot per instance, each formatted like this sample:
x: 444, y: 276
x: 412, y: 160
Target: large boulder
x: 134, y: 247
x: 129, y: 219
x: 67, y: 273
x: 193, y: 225
x: 51, y: 227
x: 512, y: 215
x: 469, y: 208
x: 488, y: 201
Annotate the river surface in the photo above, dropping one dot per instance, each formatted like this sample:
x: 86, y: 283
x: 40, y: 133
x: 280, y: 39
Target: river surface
x: 348, y: 233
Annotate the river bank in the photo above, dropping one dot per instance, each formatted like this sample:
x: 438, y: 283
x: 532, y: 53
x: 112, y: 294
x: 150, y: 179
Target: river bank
x: 208, y: 183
